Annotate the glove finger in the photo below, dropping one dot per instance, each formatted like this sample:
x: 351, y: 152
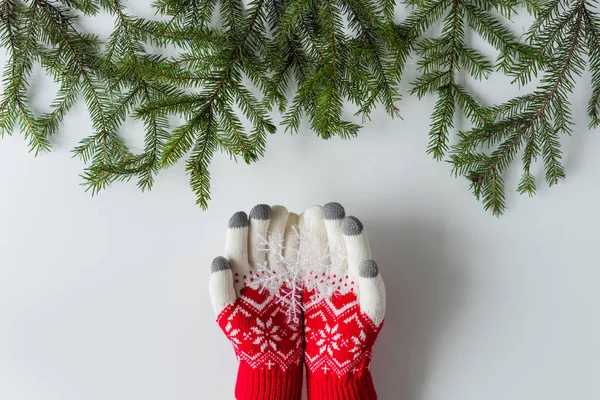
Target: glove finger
x: 313, y: 243
x: 258, y: 231
x: 279, y: 217
x: 371, y: 291
x: 334, y: 213
x: 236, y: 244
x: 357, y: 245
x: 291, y: 239
x: 220, y: 286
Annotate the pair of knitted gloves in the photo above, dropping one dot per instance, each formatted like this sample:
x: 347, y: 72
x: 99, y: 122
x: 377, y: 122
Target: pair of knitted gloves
x: 335, y: 334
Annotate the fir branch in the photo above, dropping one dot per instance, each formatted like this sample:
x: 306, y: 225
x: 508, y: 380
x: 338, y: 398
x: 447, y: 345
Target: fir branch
x: 21, y: 34
x: 535, y: 120
x: 229, y: 73
x: 592, y: 26
x: 125, y: 50
x: 361, y: 65
x: 198, y: 163
x: 441, y: 59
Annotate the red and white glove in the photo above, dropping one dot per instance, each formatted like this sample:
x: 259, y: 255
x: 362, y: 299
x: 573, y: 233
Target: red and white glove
x: 268, y: 346
x: 340, y: 329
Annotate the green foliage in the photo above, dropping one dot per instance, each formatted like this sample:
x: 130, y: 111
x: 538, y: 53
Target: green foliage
x: 222, y: 67
x: 235, y: 64
x: 277, y: 46
x: 441, y: 58
x: 564, y: 40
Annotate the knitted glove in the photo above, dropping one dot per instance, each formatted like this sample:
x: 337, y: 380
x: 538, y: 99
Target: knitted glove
x: 267, y: 345
x: 340, y: 329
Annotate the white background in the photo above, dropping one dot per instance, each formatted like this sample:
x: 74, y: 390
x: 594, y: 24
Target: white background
x: 106, y: 297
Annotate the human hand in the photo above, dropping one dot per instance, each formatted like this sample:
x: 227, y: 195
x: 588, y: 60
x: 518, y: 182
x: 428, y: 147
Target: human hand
x: 341, y: 328
x: 267, y: 344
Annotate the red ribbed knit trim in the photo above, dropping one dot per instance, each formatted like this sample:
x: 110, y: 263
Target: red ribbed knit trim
x: 268, y: 384
x: 331, y: 387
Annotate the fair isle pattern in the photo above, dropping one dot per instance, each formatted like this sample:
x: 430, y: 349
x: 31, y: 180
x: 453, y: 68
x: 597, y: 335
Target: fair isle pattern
x: 339, y: 337
x: 257, y: 326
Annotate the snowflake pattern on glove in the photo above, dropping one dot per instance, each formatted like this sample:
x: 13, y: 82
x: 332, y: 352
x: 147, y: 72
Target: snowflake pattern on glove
x: 339, y: 337
x: 257, y: 326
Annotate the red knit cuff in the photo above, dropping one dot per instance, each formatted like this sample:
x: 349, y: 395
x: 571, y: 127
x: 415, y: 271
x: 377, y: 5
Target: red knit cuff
x: 268, y: 384
x: 358, y: 386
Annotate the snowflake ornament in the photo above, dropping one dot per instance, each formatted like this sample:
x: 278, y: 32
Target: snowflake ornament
x: 292, y: 275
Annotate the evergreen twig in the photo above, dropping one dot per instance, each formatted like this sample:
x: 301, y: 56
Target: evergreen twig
x: 560, y: 39
x: 442, y: 58
x: 307, y: 59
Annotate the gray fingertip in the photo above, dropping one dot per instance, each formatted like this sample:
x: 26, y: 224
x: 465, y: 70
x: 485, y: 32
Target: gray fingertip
x: 238, y: 220
x: 333, y: 211
x: 368, y: 269
x: 260, y: 211
x: 351, y: 226
x: 219, y: 264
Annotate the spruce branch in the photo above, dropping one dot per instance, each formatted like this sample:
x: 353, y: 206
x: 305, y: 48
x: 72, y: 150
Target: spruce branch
x: 562, y: 36
x: 212, y: 120
x: 229, y: 74
x: 441, y: 59
x: 125, y: 56
x: 333, y: 65
x: 235, y: 62
x: 20, y: 32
